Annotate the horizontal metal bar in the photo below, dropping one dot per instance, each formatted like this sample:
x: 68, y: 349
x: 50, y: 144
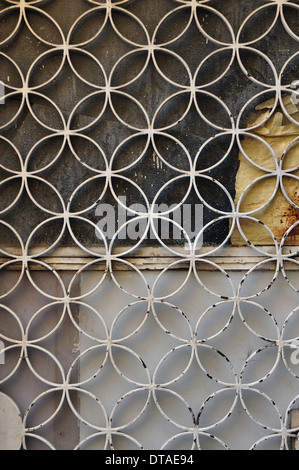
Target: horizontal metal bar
x: 152, y: 258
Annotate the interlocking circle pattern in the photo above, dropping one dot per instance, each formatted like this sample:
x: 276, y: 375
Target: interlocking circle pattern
x: 135, y: 340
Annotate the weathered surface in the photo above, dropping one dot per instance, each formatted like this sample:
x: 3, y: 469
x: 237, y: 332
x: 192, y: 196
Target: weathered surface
x: 276, y: 211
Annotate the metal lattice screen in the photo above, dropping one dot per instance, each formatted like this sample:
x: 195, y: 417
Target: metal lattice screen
x: 149, y: 223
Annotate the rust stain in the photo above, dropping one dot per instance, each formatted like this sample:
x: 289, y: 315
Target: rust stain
x: 279, y: 215
x: 289, y: 217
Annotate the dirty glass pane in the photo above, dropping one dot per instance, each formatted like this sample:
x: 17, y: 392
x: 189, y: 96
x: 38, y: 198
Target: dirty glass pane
x: 147, y: 108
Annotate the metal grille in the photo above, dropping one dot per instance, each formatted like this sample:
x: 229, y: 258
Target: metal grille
x: 149, y: 224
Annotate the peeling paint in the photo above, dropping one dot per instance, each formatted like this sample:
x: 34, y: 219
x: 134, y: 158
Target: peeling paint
x: 257, y: 190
